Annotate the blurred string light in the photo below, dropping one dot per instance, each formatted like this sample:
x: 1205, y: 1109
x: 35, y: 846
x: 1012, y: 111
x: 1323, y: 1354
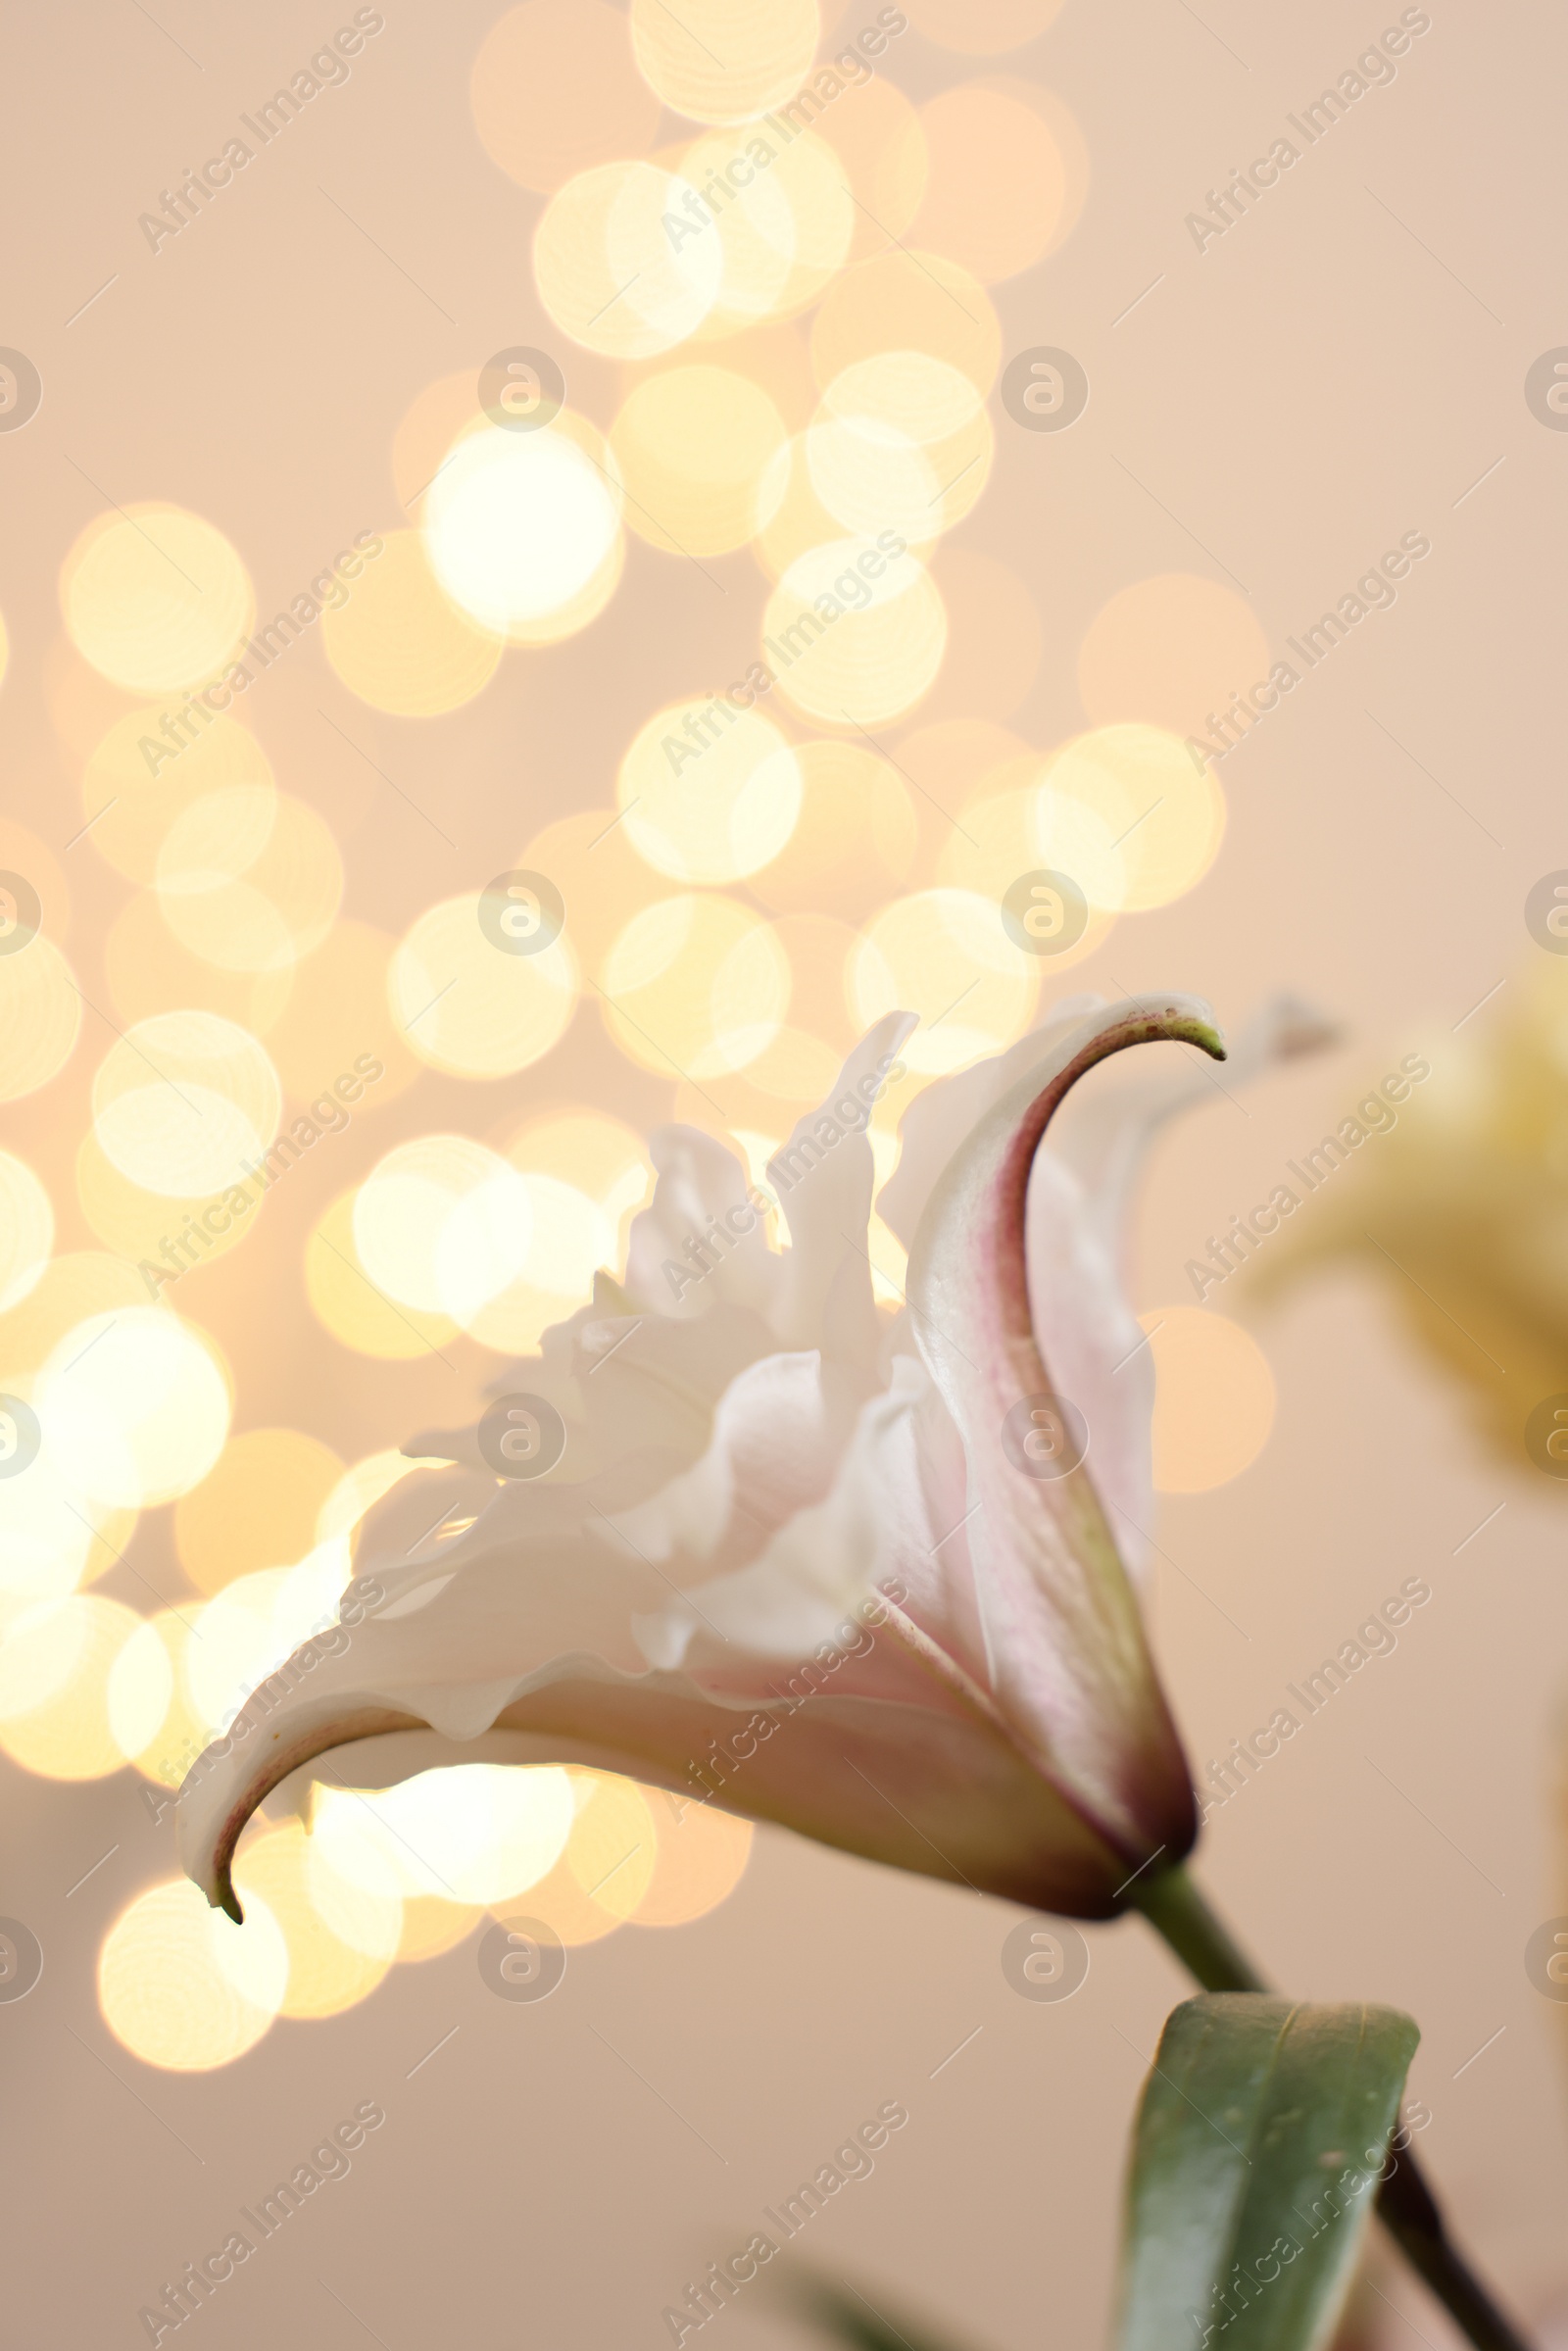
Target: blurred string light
x: 792, y: 292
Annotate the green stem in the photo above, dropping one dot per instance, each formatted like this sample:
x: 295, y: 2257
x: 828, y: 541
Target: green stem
x: 1176, y: 1909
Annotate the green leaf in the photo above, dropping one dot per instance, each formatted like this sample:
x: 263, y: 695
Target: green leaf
x: 843, y: 2313
x: 1260, y: 2142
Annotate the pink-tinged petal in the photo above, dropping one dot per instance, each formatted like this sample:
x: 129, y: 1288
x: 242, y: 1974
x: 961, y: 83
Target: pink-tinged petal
x: 942, y: 1114
x: 866, y: 1747
x: 1070, y: 1669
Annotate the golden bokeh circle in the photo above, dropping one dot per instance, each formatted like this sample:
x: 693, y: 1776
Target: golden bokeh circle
x: 1162, y: 811
x: 694, y: 987
x: 709, y: 792
x: 522, y: 530
x: 258, y: 1506
x: 943, y: 954
x: 54, y: 1665
x: 466, y: 1005
x: 139, y: 778
x: 852, y: 647
x: 695, y: 445
x: 40, y: 1017
x: 725, y: 61
x: 855, y: 839
x: 156, y: 598
x: 348, y: 1304
x: 1213, y: 1398
x: 27, y: 1230
x: 182, y: 1988
x: 908, y: 299
x: 401, y: 644
x: 137, y: 1403
x: 1173, y: 651
x: 610, y: 273
x: 185, y: 1104
x: 554, y: 91
x: 997, y: 188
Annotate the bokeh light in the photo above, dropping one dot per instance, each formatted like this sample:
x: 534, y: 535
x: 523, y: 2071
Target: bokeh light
x: 694, y: 445
x: 856, y: 634
x: 467, y: 1005
x: 1213, y: 1398
x: 1173, y: 651
x: 554, y: 91
x: 908, y: 299
x: 444, y: 1224
x: 40, y: 1017
x: 701, y: 1858
x: 136, y: 1403
x: 148, y: 766
x: 156, y: 598
x: 997, y: 191
x: 709, y: 792
x: 1161, y: 813
x: 54, y: 1665
x: 475, y: 1833
x: 855, y: 839
x: 694, y: 987
x: 341, y: 1936
x: 27, y: 1230
x: 400, y: 643
x: 725, y: 61
x: 943, y: 954
x: 258, y: 1506
x: 611, y: 275
x: 523, y: 530
x: 186, y: 1103
x: 348, y: 1303
x: 249, y: 879
x: 181, y: 1986
x: 170, y: 1233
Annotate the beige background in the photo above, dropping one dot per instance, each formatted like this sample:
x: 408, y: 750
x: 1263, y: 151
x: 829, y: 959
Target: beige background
x: 1319, y: 381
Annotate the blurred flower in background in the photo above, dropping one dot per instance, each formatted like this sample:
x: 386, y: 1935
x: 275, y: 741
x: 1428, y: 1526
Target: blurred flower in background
x: 1461, y: 1209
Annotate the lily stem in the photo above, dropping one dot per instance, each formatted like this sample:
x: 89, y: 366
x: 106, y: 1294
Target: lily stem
x: 1177, y: 1910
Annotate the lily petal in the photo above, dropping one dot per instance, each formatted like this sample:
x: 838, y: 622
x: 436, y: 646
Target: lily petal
x: 1069, y: 1664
